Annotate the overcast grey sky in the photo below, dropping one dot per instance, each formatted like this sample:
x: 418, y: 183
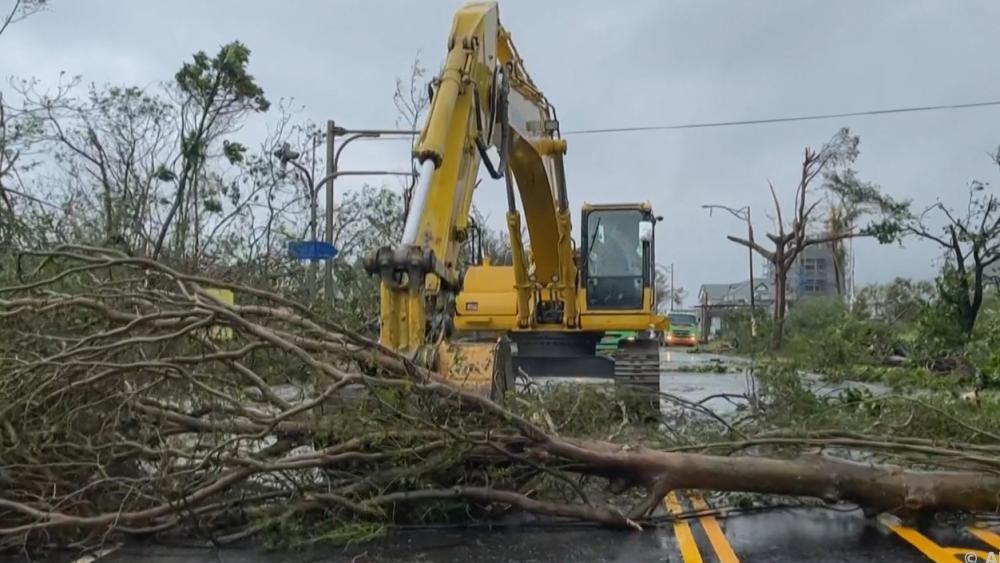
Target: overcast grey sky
x: 610, y: 64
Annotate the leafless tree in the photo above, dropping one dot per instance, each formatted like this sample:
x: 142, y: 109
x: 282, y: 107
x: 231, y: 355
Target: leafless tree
x: 19, y: 11
x: 111, y: 144
x: 16, y: 133
x: 794, y: 234
x: 412, y: 98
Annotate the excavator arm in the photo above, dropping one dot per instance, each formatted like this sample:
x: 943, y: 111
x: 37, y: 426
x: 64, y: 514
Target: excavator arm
x: 483, y: 98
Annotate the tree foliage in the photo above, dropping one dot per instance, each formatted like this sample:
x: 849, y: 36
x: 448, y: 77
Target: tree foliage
x: 158, y: 171
x: 214, y: 95
x: 899, y: 301
x: 969, y: 238
x: 666, y: 296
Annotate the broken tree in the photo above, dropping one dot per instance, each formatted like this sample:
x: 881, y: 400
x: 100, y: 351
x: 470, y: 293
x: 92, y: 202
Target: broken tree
x: 833, y: 159
x: 134, y: 402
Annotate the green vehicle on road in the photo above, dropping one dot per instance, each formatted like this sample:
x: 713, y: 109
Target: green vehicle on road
x: 683, y: 330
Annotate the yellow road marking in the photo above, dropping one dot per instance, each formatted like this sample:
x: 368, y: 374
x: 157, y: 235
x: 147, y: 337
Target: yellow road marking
x: 987, y: 536
x: 715, y: 534
x: 682, y: 530
x: 933, y: 551
x: 924, y: 544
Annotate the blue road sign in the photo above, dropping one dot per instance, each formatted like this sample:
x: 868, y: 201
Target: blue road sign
x: 311, y: 249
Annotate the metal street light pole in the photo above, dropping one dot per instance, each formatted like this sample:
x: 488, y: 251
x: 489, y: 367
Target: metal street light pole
x: 288, y: 156
x: 332, y: 166
x: 743, y: 213
x: 328, y: 179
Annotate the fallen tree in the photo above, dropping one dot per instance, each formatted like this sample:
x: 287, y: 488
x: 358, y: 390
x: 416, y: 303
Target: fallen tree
x: 134, y: 401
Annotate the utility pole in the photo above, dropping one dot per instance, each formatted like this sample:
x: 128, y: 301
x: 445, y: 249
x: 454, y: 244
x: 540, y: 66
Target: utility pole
x: 331, y: 170
x: 672, y: 295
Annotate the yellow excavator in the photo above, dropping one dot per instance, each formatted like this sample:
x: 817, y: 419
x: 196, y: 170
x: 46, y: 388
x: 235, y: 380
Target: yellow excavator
x: 543, y: 315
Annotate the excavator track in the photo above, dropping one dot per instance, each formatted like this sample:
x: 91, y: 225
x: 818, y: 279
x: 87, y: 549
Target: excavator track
x: 637, y: 364
x: 637, y: 370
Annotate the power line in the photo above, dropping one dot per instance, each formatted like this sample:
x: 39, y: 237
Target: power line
x: 780, y: 119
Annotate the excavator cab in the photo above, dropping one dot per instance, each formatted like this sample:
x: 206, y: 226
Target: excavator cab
x: 618, y: 261
x: 617, y: 277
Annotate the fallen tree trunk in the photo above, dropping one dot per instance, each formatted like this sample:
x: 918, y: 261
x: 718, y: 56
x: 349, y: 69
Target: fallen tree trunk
x: 877, y: 488
x: 134, y: 402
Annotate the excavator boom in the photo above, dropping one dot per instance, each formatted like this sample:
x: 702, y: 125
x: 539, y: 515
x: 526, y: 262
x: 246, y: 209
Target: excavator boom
x: 484, y: 99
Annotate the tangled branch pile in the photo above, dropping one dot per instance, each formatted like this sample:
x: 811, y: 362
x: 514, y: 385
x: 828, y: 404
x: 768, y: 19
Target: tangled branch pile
x: 134, y: 402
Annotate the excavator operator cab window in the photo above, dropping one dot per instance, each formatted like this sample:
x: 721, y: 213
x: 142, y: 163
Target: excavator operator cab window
x: 618, y: 254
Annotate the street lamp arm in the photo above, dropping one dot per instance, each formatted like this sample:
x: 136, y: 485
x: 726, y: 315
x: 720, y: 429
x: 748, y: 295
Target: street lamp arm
x: 742, y: 213
x: 347, y: 141
x: 375, y: 132
x: 334, y: 175
x: 332, y: 172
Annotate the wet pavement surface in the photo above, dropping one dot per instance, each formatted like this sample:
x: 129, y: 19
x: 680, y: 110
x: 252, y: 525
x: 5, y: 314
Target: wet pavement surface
x: 677, y: 380
x: 789, y: 535
x: 783, y: 535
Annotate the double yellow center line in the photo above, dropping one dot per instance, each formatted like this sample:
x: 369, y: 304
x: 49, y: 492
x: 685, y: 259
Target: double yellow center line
x: 685, y: 535
x: 723, y: 551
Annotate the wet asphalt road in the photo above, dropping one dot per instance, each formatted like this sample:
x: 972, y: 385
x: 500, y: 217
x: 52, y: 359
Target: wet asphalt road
x: 794, y: 535
x: 777, y: 536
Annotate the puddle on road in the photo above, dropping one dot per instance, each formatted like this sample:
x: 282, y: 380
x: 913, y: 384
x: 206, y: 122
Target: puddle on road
x: 685, y: 357
x: 696, y: 387
x: 676, y: 378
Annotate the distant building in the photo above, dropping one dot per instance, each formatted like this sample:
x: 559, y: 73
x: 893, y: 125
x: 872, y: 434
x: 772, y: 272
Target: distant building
x: 735, y: 294
x: 814, y: 274
x: 716, y: 299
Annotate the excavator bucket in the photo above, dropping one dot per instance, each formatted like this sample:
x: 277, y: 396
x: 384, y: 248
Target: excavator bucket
x: 482, y: 366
